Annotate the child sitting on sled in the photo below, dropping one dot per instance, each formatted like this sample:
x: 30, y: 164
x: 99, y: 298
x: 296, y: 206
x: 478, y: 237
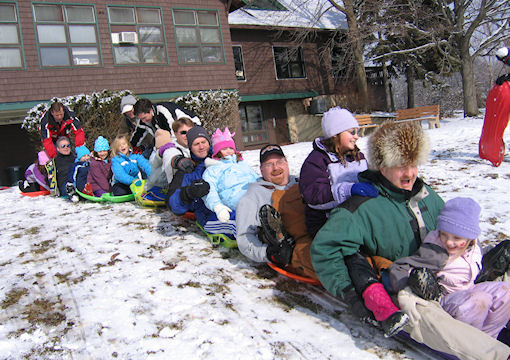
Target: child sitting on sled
x: 228, y: 176
x: 447, y: 267
x: 127, y: 166
x: 36, y: 175
x: 100, y: 169
x: 78, y: 173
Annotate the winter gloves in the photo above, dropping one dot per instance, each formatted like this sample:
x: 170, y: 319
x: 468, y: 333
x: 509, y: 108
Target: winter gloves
x: 423, y: 282
x: 222, y: 212
x: 281, y: 253
x: 495, y: 262
x: 364, y: 189
x: 182, y: 163
x: 500, y: 80
x: 196, y: 189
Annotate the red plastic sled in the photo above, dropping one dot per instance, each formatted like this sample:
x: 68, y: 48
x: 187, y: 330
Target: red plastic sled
x: 4, y: 187
x: 35, y: 193
x: 497, y: 112
x: 293, y: 276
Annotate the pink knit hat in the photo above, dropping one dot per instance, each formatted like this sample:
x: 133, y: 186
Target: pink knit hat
x: 42, y: 157
x: 222, y: 140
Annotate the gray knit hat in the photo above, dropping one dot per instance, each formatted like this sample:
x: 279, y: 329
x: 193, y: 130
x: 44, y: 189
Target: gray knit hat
x: 460, y: 217
x: 196, y: 132
x: 337, y: 120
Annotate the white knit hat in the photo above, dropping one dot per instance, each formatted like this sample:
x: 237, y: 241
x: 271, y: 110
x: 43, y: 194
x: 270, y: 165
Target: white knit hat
x: 336, y: 120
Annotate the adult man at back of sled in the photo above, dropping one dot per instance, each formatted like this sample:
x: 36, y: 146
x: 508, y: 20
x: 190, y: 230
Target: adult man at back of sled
x: 270, y: 218
x: 392, y: 226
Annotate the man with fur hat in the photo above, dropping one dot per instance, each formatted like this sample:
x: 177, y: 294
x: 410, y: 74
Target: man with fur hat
x: 393, y: 225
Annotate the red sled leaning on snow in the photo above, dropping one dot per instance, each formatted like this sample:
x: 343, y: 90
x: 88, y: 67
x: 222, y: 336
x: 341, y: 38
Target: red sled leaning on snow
x: 497, y: 112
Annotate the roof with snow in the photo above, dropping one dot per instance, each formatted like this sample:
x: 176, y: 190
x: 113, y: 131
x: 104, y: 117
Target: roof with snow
x: 319, y: 14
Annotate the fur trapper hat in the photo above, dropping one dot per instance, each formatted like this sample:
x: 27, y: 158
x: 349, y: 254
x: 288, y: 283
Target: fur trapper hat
x: 397, y: 144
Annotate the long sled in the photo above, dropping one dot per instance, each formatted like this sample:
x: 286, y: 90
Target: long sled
x: 151, y: 198
x: 108, y: 197
x: 497, y: 112
x: 35, y: 193
x: 219, y: 239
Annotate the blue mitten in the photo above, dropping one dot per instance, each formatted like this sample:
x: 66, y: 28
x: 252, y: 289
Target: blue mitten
x: 364, y: 189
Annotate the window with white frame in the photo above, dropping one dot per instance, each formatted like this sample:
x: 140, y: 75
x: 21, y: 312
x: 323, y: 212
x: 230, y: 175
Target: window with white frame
x: 289, y: 62
x: 253, y: 124
x: 11, y: 54
x: 137, y: 34
x: 198, y: 36
x: 238, y: 62
x: 66, y: 34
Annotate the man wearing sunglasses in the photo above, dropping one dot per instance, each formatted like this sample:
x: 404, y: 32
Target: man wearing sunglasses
x: 56, y: 122
x: 64, y: 159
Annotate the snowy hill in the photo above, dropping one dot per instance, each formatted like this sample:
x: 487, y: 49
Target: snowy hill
x: 96, y: 281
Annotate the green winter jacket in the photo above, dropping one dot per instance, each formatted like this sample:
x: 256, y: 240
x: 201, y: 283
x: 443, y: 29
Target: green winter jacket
x: 392, y: 225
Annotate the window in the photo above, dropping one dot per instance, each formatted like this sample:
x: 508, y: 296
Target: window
x: 253, y: 124
x: 11, y: 55
x: 66, y: 35
x: 198, y: 36
x: 238, y: 62
x: 138, y: 36
x: 289, y: 63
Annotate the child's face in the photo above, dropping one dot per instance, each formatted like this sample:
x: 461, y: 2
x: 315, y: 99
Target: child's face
x: 85, y: 158
x: 455, y: 245
x: 123, y: 147
x: 102, y: 154
x: 227, y: 151
x: 348, y: 139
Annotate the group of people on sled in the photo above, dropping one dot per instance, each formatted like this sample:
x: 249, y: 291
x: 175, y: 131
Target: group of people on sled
x: 370, y: 230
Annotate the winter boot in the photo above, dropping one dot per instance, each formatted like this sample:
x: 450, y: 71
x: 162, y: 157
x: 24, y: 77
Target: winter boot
x: 423, y: 282
x: 495, y: 262
x: 71, y: 193
x: 26, y: 187
x: 87, y: 189
x: 379, y: 302
x: 271, y: 230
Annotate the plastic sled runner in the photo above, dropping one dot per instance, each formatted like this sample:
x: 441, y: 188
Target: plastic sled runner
x: 497, y: 112
x: 108, y: 197
x: 219, y: 239
x: 35, y: 193
x: 293, y: 276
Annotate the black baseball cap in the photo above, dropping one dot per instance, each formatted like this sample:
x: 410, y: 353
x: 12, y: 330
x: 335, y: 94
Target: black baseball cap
x: 269, y: 150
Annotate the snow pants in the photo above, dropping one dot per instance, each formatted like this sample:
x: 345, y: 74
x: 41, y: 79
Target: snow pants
x: 440, y: 331
x: 486, y: 306
x: 213, y: 226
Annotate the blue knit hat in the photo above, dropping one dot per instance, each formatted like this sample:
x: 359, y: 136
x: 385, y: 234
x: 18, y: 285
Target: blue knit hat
x: 337, y: 120
x: 460, y: 216
x: 81, y: 151
x: 101, y: 144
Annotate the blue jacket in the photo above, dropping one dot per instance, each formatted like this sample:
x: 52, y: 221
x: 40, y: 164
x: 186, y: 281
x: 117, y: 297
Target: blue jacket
x: 126, y: 168
x: 78, y: 173
x: 197, y: 206
x: 229, y: 180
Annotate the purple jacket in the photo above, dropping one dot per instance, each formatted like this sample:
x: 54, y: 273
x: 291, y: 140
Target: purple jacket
x: 325, y: 183
x: 33, y: 175
x: 100, y: 174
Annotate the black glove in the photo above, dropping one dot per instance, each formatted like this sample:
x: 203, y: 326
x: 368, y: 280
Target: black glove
x: 423, y: 282
x: 196, y: 189
x: 182, y: 163
x: 281, y: 254
x: 358, y: 308
x: 495, y: 262
x: 500, y: 80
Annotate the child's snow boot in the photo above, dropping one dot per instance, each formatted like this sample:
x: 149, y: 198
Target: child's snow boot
x: 87, y: 190
x: 71, y: 193
x: 379, y: 302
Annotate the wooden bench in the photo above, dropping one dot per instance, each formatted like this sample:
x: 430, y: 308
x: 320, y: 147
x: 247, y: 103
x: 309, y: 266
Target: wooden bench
x: 365, y: 122
x: 428, y: 113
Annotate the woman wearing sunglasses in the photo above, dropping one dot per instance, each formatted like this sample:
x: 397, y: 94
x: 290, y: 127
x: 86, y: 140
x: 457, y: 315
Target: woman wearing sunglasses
x: 329, y: 175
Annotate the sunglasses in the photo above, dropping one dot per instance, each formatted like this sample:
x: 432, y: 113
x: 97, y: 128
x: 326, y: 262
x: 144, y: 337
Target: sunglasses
x: 183, y: 132
x: 353, y: 131
x: 65, y: 145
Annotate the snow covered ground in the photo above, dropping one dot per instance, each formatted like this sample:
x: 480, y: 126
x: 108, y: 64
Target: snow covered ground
x: 103, y: 281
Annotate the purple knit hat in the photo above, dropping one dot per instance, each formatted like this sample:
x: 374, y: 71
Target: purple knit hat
x: 460, y: 216
x: 337, y: 120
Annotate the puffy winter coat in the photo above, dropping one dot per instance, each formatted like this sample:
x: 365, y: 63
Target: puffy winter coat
x: 126, y: 168
x: 325, y: 183
x: 392, y: 225
x: 229, y: 180
x: 100, y: 175
x: 51, y: 130
x: 62, y: 165
x: 33, y: 175
x: 78, y: 173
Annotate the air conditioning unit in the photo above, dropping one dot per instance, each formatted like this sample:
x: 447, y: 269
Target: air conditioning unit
x: 128, y: 37
x: 318, y: 106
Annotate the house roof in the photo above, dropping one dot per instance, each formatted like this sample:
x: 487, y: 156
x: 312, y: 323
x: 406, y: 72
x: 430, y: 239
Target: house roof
x: 298, y: 13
